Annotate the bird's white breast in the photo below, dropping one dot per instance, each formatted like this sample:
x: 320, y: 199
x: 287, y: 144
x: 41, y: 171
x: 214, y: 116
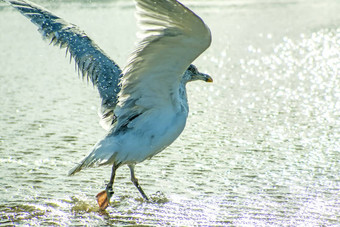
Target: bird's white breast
x: 150, y: 134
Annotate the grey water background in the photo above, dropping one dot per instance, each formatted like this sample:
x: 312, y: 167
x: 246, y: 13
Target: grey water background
x: 261, y: 146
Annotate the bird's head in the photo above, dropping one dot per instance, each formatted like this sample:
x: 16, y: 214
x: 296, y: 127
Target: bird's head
x: 192, y: 74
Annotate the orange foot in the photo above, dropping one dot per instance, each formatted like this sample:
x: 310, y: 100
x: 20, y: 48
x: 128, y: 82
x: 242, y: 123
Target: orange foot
x: 102, y: 200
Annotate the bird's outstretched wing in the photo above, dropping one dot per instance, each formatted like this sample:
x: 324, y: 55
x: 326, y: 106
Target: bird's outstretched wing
x: 91, y: 61
x: 172, y: 37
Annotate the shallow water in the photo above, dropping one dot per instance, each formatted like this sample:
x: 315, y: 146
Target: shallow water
x: 261, y: 146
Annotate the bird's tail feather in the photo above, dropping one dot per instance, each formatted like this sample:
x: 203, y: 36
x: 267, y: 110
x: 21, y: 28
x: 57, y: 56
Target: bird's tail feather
x: 102, y: 154
x: 75, y: 169
x: 88, y: 162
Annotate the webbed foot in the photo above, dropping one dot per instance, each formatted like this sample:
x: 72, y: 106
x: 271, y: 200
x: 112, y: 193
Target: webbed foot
x: 103, y: 198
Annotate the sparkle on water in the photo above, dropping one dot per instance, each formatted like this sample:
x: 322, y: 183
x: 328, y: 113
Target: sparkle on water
x: 261, y: 146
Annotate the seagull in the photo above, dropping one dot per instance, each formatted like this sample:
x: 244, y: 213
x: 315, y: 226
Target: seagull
x: 144, y: 107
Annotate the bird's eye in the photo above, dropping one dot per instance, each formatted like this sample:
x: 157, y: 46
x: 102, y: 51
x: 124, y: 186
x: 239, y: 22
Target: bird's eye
x: 193, y: 69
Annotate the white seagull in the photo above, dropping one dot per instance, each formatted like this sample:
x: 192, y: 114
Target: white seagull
x: 144, y: 106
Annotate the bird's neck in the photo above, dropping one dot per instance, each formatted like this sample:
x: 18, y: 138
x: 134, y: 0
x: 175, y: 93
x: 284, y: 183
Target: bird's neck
x: 183, y: 97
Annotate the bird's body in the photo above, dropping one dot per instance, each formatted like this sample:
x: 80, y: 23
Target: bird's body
x: 144, y: 106
x: 133, y: 144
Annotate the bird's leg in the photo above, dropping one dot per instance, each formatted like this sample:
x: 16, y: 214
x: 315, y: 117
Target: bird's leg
x: 135, y: 181
x: 103, y: 197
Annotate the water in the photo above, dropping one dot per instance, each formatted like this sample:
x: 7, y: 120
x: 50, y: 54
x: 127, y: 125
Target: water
x: 261, y: 146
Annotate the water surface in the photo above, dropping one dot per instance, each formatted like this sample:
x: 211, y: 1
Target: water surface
x: 261, y: 146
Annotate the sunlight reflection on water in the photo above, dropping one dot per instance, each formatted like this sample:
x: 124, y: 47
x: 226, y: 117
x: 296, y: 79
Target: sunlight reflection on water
x: 261, y: 143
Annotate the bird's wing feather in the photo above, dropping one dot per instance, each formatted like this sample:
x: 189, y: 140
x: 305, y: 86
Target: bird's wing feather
x: 91, y: 61
x: 172, y: 38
